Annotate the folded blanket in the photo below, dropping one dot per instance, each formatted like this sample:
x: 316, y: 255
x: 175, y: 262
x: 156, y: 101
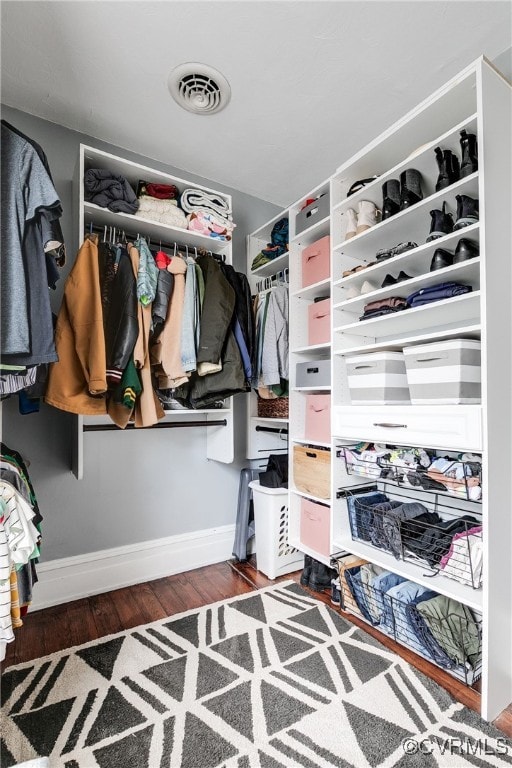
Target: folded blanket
x: 164, y: 211
x: 194, y: 200
x: 109, y: 190
x: 209, y: 225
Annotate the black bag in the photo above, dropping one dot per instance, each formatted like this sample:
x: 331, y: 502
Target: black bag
x: 276, y: 474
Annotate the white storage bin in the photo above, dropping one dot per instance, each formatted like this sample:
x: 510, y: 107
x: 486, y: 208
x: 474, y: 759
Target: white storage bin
x: 274, y: 556
x: 378, y: 378
x: 445, y: 372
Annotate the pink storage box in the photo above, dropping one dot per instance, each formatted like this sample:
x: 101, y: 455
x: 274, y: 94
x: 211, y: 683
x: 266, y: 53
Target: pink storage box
x: 316, y: 261
x: 315, y: 527
x: 318, y: 418
x: 319, y: 322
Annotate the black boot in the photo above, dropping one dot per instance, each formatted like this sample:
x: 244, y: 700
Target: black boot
x: 390, y: 198
x: 467, y: 211
x: 441, y: 223
x: 306, y: 571
x: 441, y: 259
x: 410, y: 188
x: 466, y: 249
x: 469, y: 149
x: 448, y: 165
x: 321, y: 576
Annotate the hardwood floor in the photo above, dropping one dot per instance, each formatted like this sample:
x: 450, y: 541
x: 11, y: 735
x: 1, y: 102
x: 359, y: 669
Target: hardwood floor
x: 80, y: 621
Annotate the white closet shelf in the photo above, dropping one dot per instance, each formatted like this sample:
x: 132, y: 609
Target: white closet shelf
x: 419, y: 258
x: 457, y: 309
x: 148, y: 228
x: 188, y: 415
x: 276, y: 265
x: 303, y: 441
x: 269, y: 420
x: 445, y: 586
x: 311, y: 348
x: 424, y: 162
x: 264, y: 233
x: 312, y: 233
x: 294, y: 541
x: 467, y: 272
x: 312, y: 389
x: 411, y: 224
x: 398, y: 343
x: 313, y: 291
x: 302, y: 495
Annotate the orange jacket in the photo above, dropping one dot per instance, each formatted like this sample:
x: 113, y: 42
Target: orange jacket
x: 77, y: 383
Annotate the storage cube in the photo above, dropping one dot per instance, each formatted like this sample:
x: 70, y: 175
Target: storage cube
x: 445, y: 372
x: 316, y: 261
x: 310, y: 214
x: 315, y: 527
x: 312, y: 470
x: 378, y: 378
x: 318, y: 418
x: 274, y: 556
x: 315, y: 373
x: 319, y: 322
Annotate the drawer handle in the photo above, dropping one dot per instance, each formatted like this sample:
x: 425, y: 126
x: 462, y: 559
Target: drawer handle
x: 361, y: 367
x: 388, y: 425
x: 311, y: 455
x: 312, y: 517
x: 311, y: 370
x: 311, y: 212
x: 318, y: 410
x: 313, y: 255
x: 428, y: 359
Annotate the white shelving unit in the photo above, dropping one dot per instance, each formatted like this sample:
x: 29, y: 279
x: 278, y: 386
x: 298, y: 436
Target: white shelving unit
x: 477, y: 100
x: 261, y: 443
x: 219, y: 438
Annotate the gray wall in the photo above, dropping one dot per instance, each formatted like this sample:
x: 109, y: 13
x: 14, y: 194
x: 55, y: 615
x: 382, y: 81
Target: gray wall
x: 137, y: 485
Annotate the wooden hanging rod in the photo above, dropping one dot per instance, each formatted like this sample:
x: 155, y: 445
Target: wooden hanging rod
x: 163, y: 425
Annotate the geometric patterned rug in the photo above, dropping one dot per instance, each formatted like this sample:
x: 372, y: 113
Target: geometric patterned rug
x: 270, y: 680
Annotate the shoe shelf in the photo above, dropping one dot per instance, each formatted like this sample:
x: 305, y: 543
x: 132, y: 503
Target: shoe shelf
x: 274, y: 266
x: 424, y: 161
x: 411, y: 224
x: 311, y: 292
x: 465, y: 272
x: 350, y: 345
x: 416, y: 260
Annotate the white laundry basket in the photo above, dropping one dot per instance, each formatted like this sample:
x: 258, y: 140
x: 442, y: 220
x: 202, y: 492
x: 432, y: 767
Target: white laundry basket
x: 274, y: 555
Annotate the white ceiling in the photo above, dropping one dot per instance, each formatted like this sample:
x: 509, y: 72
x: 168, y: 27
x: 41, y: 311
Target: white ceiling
x: 312, y: 82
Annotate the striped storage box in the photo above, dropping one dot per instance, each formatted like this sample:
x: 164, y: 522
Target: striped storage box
x: 378, y: 378
x: 445, y: 372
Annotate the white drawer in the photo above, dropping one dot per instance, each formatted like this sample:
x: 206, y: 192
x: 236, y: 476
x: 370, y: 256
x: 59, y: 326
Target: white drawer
x: 456, y: 427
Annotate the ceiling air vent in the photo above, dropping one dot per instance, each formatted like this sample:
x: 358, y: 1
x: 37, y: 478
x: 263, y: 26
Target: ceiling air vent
x: 199, y: 88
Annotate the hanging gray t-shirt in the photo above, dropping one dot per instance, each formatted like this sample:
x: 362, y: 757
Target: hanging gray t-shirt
x: 26, y: 188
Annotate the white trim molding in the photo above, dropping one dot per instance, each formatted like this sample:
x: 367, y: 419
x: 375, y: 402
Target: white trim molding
x: 71, y: 578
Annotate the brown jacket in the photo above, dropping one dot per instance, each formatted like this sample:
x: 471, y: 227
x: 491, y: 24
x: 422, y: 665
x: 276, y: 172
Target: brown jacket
x: 77, y: 382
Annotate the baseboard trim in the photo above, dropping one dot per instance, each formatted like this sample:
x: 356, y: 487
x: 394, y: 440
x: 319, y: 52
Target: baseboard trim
x: 71, y: 578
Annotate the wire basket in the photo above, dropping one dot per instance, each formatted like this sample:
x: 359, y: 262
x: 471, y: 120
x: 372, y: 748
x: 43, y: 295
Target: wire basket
x: 432, y: 535
x: 439, y: 629
x: 275, y: 408
x: 462, y: 479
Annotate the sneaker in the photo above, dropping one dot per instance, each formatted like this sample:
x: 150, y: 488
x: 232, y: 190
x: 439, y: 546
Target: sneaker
x: 336, y: 591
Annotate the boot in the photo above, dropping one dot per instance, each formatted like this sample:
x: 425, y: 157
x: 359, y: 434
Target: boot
x: 467, y: 211
x: 410, y: 188
x: 448, y: 165
x: 390, y: 198
x: 351, y: 229
x: 441, y: 259
x: 441, y: 223
x: 466, y: 249
x: 469, y: 147
x: 321, y: 576
x: 306, y: 571
x: 366, y: 216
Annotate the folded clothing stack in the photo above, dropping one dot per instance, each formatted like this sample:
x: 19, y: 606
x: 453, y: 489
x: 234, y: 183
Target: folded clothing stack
x: 208, y: 213
x: 159, y: 202
x: 277, y: 247
x: 436, y: 293
x: 109, y: 190
x: 384, y: 307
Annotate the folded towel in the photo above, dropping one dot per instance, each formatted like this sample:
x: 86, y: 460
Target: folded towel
x: 194, y: 200
x: 109, y: 190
